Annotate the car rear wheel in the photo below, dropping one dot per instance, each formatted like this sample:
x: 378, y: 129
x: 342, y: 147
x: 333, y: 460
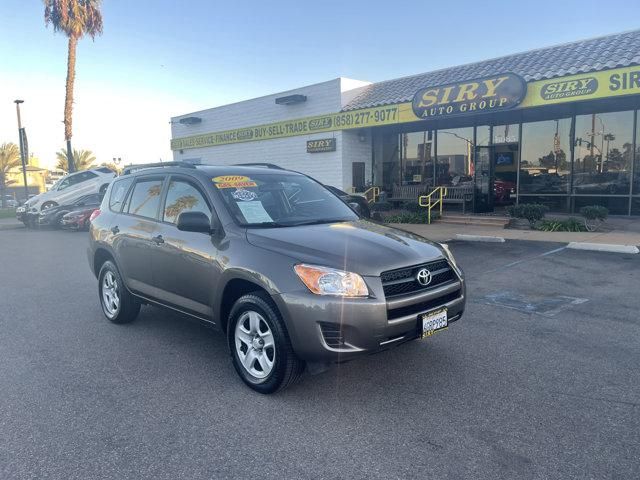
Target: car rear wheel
x: 118, y: 305
x: 260, y: 346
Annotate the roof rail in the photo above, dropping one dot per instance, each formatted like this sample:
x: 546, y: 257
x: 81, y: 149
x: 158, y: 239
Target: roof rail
x: 134, y: 168
x: 260, y: 164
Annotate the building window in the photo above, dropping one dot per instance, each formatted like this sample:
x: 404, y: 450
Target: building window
x: 417, y: 158
x: 503, y: 134
x: 554, y: 203
x: 636, y: 170
x: 615, y: 205
x: 603, y: 153
x: 455, y: 156
x: 483, y: 136
x: 545, y: 166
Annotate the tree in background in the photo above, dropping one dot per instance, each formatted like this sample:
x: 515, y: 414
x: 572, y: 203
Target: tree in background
x: 83, y: 159
x: 74, y: 18
x: 9, y: 158
x: 112, y: 166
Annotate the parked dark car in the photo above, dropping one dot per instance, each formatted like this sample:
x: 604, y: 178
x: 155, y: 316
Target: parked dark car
x: 271, y: 258
x: 52, y: 217
x: 363, y: 205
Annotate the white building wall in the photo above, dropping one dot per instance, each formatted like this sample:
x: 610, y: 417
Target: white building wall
x: 356, y: 147
x: 332, y: 168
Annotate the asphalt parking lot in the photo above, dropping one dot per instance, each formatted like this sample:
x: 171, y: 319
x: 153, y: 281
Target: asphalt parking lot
x: 540, y: 379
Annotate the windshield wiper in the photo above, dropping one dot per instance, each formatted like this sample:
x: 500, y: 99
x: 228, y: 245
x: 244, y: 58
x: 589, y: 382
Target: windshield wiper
x: 317, y: 221
x: 267, y: 225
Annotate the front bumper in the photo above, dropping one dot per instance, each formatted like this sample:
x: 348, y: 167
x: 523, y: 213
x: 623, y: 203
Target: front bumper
x: 336, y: 329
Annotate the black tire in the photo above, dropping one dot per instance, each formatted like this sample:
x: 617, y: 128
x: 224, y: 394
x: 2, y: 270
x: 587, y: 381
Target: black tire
x: 48, y: 204
x: 128, y: 307
x: 56, y: 223
x: 287, y: 367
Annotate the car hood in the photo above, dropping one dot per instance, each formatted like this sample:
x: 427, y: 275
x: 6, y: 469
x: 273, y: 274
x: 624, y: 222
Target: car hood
x: 38, y: 199
x: 363, y: 247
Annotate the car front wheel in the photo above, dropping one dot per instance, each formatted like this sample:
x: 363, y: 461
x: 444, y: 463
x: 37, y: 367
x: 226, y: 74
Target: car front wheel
x: 118, y: 305
x: 260, y: 346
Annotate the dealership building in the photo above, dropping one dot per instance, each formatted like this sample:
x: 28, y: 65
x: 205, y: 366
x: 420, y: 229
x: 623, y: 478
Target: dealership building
x: 557, y: 125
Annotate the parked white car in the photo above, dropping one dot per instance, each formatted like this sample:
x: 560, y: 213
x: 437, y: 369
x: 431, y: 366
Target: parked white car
x: 70, y: 188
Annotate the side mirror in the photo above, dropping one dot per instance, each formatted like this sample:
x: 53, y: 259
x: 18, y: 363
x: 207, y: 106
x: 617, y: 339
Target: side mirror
x: 355, y: 207
x: 194, y: 222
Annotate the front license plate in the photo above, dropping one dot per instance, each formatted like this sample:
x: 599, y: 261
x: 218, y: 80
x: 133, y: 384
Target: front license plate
x: 432, y: 322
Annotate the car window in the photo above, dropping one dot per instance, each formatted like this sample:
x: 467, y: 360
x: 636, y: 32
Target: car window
x: 145, y: 198
x: 182, y: 196
x: 118, y: 193
x: 66, y: 182
x: 84, y: 176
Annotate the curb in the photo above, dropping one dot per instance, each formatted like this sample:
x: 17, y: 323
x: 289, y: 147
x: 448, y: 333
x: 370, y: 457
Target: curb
x: 479, y: 238
x: 603, y: 247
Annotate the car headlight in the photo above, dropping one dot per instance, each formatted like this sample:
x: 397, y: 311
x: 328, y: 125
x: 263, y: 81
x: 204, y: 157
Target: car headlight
x: 450, y: 257
x: 329, y: 281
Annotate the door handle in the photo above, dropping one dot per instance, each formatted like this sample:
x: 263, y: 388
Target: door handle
x: 157, y: 239
x: 115, y: 230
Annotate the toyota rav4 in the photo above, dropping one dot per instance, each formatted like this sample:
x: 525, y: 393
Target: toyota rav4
x: 274, y: 260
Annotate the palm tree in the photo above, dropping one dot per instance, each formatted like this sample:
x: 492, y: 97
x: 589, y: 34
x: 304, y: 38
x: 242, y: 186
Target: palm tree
x: 74, y: 18
x: 9, y: 158
x: 82, y: 159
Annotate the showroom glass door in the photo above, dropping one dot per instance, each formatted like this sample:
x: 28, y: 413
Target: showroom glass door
x: 483, y: 180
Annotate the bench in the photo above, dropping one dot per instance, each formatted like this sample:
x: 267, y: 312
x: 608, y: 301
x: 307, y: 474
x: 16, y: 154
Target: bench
x: 409, y: 193
x: 460, y: 194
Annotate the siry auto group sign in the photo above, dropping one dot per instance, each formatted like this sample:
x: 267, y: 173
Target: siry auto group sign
x: 466, y: 97
x: 499, y: 92
x: 322, y: 145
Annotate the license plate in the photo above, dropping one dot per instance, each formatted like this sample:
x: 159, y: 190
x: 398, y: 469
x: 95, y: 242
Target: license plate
x: 432, y: 322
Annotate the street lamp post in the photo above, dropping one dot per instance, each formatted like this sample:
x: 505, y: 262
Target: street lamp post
x: 23, y: 158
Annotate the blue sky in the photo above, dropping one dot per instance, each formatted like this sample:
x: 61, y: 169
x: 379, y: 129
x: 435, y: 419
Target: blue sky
x: 162, y: 58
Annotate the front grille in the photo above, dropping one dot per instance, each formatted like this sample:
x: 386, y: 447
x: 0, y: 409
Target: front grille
x: 332, y: 334
x: 403, y: 280
x: 422, y: 306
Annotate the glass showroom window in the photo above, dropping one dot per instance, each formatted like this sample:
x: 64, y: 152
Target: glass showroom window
x: 603, y: 154
x: 545, y: 167
x: 636, y: 170
x: 417, y: 158
x: 503, y: 134
x: 455, y: 154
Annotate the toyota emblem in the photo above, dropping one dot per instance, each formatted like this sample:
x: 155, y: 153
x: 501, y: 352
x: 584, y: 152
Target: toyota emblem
x: 424, y: 277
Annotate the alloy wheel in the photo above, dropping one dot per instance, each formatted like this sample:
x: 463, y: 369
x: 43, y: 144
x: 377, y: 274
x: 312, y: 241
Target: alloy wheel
x: 255, y: 345
x: 110, y: 296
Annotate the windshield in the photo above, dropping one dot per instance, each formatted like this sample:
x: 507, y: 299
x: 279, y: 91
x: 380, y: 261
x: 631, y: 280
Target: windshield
x: 57, y: 182
x: 281, y: 200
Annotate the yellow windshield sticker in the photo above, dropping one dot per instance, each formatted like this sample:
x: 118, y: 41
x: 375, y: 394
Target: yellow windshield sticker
x: 234, y: 181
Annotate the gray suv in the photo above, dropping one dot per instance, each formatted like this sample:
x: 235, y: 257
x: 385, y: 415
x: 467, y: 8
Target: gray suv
x: 281, y: 265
